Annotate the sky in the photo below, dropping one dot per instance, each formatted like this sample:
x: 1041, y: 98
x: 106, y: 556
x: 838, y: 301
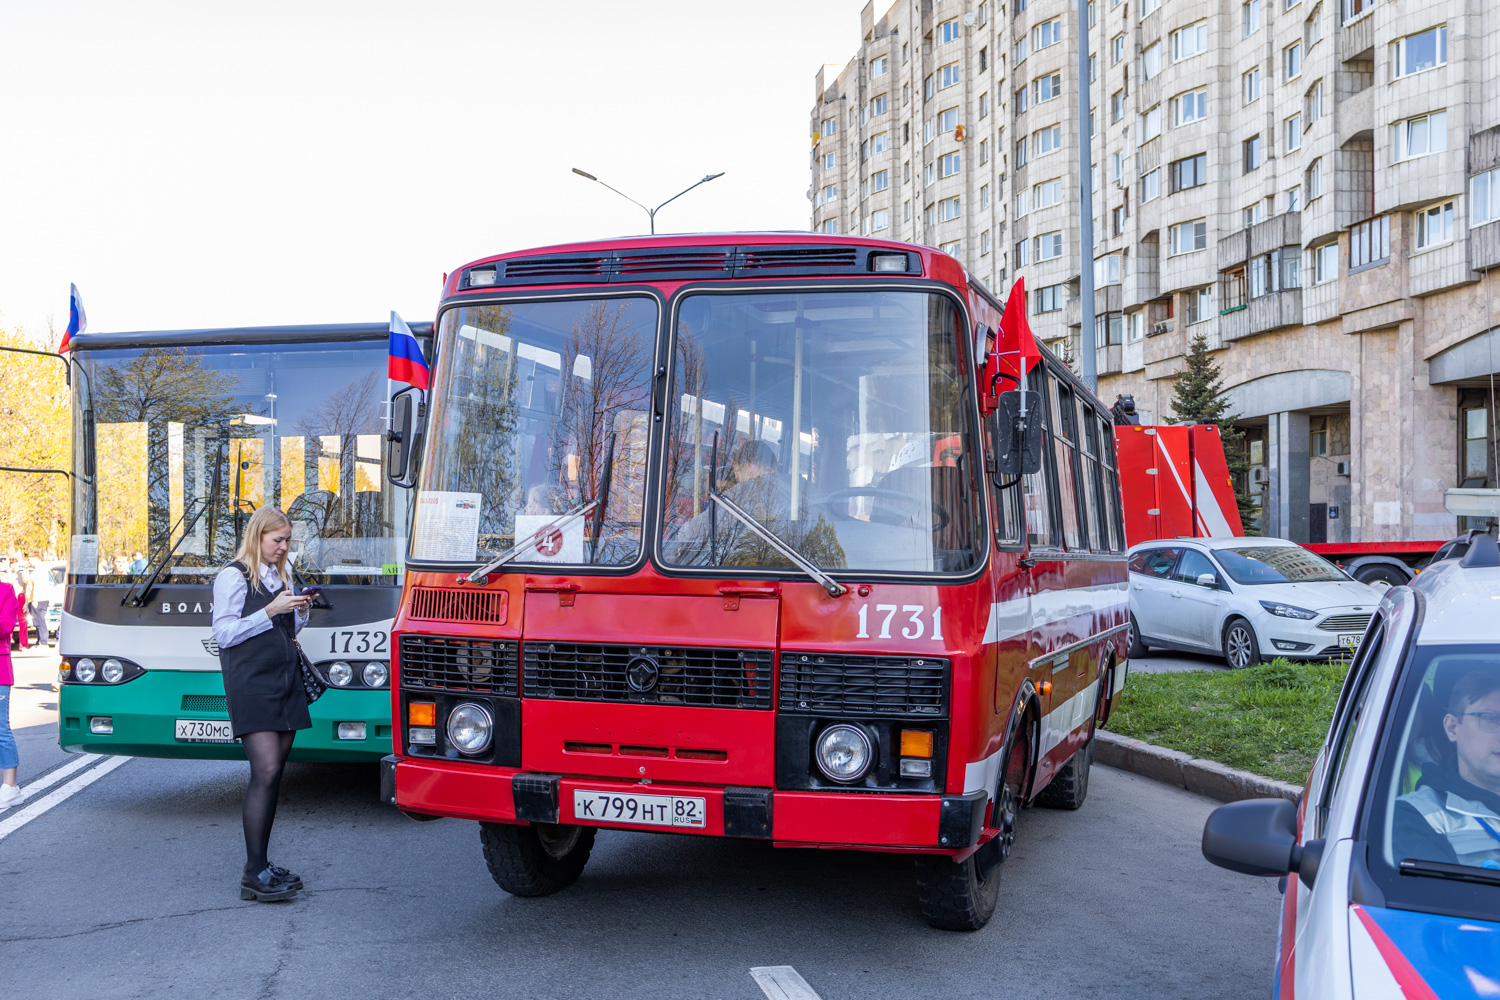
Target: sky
x: 200, y: 164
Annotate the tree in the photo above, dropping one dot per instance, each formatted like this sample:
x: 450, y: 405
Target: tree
x: 34, y: 406
x: 1198, y: 398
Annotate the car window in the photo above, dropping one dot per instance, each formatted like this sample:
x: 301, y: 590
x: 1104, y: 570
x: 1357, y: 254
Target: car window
x: 1254, y: 564
x: 1154, y: 562
x: 1346, y: 716
x: 1192, y: 565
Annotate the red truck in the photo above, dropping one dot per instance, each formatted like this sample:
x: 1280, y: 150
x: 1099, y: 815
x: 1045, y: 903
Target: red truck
x: 1175, y: 483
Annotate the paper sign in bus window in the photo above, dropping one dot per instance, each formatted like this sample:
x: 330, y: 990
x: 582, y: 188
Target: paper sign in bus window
x: 558, y: 545
x: 448, y: 525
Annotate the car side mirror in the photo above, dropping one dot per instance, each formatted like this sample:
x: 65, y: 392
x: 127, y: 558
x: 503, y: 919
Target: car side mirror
x: 1016, y: 426
x: 401, y: 437
x: 1208, y: 580
x: 1259, y: 837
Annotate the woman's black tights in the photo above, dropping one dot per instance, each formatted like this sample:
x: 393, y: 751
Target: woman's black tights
x: 267, y: 753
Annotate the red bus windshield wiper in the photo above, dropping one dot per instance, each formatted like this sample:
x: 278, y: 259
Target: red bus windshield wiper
x: 1441, y: 869
x: 828, y: 583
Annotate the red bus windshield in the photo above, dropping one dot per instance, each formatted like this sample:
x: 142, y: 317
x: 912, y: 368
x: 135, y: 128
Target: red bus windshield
x: 835, y: 420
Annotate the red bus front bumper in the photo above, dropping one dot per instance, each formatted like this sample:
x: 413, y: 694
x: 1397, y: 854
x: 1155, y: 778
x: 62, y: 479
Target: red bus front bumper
x: 884, y: 822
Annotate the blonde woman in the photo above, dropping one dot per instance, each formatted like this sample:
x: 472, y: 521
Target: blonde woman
x: 257, y: 615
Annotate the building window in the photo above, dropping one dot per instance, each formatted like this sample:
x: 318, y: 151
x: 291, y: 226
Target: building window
x: 1150, y: 124
x: 1476, y: 446
x: 929, y: 216
x: 1232, y: 289
x: 949, y: 164
x: 948, y: 210
x: 984, y: 243
x: 1312, y: 29
x: 1047, y: 33
x: 1188, y: 237
x: 1294, y: 199
x: 984, y: 151
x: 1151, y: 61
x: 984, y: 196
x: 1200, y: 304
x: 929, y: 174
x: 1422, y: 51
x: 949, y: 31
x: 1048, y: 87
x: 830, y: 160
x: 1107, y: 270
x: 1293, y: 133
x: 1325, y: 263
x: 864, y: 151
x: 906, y: 172
x: 879, y: 67
x: 830, y: 226
x: 1190, y: 107
x: 929, y: 130
x: 1116, y: 106
x: 1117, y: 217
x: 1116, y: 49
x: 878, y: 105
x: 1318, y: 447
x: 1093, y: 68
x: 953, y: 248
x: 905, y: 94
x: 1018, y: 7
x: 1048, y: 140
x: 905, y: 133
x: 1047, y: 194
x: 1051, y: 298
x: 879, y: 142
x: 1023, y: 253
x: 881, y: 219
x: 1019, y: 52
x: 1023, y: 99
x: 948, y: 76
x: 905, y: 52
x: 1021, y: 149
x: 1370, y: 243
x: 1149, y: 7
x: 1117, y: 168
x: 1048, y: 246
x: 1435, y: 225
x: 1314, y: 102
x: 1190, y: 41
x: 1107, y: 329
x: 880, y: 180
x: 1484, y: 198
x: 1291, y: 60
x: 927, y: 88
x: 948, y: 120
x: 1135, y: 325
x: 1023, y: 203
x: 1251, y: 81
x: 1251, y: 215
x: 830, y: 193
x: 984, y: 104
x: 1189, y: 172
x: 1251, y: 16
x: 906, y: 211
x: 1314, y: 180
x: 1419, y: 136
x: 984, y: 59
x: 1151, y: 185
x: 1252, y: 153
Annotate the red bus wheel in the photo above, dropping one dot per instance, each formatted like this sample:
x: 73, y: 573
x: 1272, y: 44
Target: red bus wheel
x: 537, y: 859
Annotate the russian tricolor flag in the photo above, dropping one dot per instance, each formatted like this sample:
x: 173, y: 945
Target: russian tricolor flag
x: 406, y: 363
x: 77, y: 321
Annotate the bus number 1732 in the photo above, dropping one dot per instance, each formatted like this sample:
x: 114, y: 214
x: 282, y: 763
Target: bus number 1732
x: 363, y: 642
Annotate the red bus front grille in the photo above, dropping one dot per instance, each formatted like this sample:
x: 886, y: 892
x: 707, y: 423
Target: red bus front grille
x: 431, y: 604
x: 862, y: 686
x: 448, y: 664
x: 677, y: 675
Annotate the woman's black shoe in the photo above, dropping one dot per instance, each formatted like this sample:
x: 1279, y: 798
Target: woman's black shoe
x: 295, y: 881
x: 266, y: 886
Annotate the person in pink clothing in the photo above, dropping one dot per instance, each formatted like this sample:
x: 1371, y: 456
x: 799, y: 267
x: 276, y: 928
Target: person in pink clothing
x: 12, y: 617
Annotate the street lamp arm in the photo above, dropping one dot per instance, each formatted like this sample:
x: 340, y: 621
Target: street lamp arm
x: 627, y: 197
x: 684, y: 191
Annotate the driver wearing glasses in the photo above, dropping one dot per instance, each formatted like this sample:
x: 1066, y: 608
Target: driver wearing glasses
x: 1454, y: 815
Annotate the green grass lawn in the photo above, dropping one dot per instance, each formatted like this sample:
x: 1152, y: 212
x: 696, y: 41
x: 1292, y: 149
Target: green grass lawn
x: 1270, y: 719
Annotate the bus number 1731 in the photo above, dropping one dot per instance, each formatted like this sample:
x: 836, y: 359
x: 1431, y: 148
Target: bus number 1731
x: 914, y: 616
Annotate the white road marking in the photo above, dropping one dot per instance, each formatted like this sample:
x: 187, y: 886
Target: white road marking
x: 67, y: 770
x: 782, y: 982
x: 19, y: 816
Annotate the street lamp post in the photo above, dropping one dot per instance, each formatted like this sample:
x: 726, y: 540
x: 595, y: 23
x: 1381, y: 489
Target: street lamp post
x: 650, y: 212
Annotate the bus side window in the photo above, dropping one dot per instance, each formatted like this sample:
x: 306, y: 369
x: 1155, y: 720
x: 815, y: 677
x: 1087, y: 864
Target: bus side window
x: 1093, y: 482
x: 1065, y: 449
x: 1040, y: 520
x: 1112, y: 513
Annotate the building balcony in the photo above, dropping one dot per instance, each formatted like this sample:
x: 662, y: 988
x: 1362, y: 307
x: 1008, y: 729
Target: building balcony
x: 1109, y: 359
x: 1263, y: 314
x: 1279, y: 231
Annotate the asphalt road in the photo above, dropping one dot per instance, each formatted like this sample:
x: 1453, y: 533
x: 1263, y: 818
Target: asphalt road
x: 128, y: 888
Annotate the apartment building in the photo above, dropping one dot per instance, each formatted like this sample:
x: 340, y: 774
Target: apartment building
x: 1312, y: 185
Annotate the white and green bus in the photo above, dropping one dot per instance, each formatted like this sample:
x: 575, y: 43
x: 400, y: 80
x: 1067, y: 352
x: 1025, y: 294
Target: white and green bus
x: 178, y: 436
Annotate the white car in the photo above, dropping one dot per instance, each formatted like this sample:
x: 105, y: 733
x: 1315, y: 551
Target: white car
x: 1391, y: 856
x: 1244, y: 598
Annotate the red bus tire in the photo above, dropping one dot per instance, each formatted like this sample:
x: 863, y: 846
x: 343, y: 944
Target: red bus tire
x: 537, y: 859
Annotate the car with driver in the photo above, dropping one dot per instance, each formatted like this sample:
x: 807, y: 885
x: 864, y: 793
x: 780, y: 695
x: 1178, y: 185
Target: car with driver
x: 1390, y: 858
x: 1243, y: 598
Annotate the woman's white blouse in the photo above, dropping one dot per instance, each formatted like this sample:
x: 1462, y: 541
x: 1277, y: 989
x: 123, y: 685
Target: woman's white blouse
x: 230, y: 588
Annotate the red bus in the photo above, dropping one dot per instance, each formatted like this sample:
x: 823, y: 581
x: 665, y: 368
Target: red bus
x: 751, y: 536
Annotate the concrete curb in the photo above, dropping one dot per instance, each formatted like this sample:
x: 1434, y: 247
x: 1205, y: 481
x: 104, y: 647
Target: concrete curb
x: 1172, y: 767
